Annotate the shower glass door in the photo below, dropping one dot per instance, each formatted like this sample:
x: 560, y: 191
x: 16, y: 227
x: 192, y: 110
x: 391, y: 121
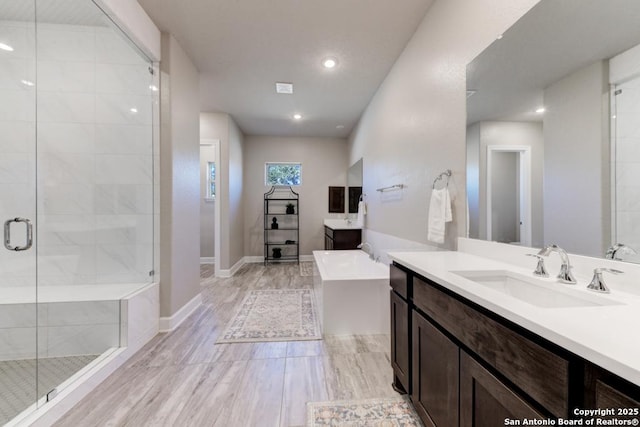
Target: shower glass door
x: 18, y: 293
x: 76, y: 193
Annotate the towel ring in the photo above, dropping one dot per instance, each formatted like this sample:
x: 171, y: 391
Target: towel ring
x: 446, y: 173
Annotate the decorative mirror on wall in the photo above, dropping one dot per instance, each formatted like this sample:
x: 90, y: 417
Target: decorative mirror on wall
x: 553, y: 151
x: 336, y: 199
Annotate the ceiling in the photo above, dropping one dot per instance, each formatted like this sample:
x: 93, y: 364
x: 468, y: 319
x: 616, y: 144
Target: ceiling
x: 552, y: 40
x: 243, y: 47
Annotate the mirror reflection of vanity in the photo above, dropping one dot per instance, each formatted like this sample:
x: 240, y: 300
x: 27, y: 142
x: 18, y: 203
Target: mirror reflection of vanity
x: 346, y: 233
x: 553, y: 136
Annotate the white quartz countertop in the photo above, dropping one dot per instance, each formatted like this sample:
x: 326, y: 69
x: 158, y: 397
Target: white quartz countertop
x: 605, y: 335
x: 342, y: 224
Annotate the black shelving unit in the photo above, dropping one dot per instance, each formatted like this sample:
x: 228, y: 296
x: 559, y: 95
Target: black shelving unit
x: 281, y: 244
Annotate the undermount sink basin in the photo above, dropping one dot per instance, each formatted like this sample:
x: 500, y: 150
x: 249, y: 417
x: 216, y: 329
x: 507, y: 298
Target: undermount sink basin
x: 541, y: 293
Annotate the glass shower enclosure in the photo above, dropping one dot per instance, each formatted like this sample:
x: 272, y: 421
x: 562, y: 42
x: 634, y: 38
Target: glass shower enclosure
x: 76, y: 193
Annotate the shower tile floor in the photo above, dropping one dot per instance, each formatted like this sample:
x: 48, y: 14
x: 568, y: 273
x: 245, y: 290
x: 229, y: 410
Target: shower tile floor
x: 18, y: 380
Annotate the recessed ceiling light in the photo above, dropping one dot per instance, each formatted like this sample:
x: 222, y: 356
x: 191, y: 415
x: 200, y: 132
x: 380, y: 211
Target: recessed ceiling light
x: 27, y: 83
x: 340, y: 127
x: 6, y: 47
x: 297, y: 116
x: 285, y: 88
x: 614, y: 116
x: 133, y: 110
x: 153, y: 88
x: 540, y: 110
x: 329, y: 62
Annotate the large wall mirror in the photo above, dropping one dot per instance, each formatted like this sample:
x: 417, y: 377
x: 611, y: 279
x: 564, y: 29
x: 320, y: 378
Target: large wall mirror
x: 553, y: 130
x: 354, y: 186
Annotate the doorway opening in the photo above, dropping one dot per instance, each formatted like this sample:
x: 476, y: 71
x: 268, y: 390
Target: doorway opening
x: 509, y: 194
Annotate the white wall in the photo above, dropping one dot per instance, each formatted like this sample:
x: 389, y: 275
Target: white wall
x: 207, y: 207
x: 324, y: 164
x: 414, y: 127
x: 235, y: 208
x: 221, y: 126
x: 179, y: 169
x: 576, y: 162
x: 511, y: 133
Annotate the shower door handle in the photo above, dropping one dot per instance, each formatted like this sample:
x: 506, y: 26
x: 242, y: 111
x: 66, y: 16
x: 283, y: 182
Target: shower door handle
x: 7, y: 234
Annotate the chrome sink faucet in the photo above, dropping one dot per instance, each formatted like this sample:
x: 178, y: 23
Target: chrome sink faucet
x: 597, y: 283
x: 540, y: 270
x: 370, y: 251
x: 565, y: 274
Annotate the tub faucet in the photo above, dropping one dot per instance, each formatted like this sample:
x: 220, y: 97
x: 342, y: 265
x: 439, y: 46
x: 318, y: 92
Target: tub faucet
x: 370, y: 252
x: 612, y: 252
x: 565, y: 274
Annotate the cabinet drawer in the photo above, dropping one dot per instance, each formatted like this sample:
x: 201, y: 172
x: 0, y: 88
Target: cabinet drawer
x: 541, y: 374
x: 398, y: 280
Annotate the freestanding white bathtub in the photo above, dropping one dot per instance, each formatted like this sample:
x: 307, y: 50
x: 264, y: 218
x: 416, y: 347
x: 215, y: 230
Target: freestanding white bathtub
x: 352, y: 293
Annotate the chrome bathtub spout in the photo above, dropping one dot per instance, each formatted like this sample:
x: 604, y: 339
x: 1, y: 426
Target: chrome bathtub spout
x: 370, y: 251
x: 612, y: 252
x: 565, y: 275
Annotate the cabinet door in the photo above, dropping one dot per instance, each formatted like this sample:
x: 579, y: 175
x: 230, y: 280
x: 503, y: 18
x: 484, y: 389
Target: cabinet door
x: 485, y: 401
x: 609, y: 397
x: 400, y: 342
x: 435, y: 371
x: 328, y: 243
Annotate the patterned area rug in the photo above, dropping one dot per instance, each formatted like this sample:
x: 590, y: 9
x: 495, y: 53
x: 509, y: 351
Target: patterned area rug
x: 274, y: 315
x: 390, y: 412
x: 306, y: 268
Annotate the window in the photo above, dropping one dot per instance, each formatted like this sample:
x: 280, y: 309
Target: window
x: 283, y: 174
x: 211, y: 180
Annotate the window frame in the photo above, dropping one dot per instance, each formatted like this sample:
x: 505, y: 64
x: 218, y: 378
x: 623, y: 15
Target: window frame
x: 211, y: 195
x: 266, y: 174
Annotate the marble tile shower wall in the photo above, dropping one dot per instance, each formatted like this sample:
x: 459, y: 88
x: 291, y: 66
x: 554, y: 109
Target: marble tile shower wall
x: 94, y: 155
x: 627, y: 185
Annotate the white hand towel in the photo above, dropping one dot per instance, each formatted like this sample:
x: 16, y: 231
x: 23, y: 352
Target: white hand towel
x: 362, y: 211
x: 439, y: 214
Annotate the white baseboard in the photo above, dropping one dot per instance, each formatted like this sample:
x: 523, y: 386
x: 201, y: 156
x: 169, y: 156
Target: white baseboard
x: 207, y: 260
x: 233, y: 270
x: 168, y: 324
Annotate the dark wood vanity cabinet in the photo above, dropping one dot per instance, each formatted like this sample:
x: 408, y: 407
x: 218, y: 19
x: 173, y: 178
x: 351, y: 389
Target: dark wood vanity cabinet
x: 471, y: 367
x: 341, y: 239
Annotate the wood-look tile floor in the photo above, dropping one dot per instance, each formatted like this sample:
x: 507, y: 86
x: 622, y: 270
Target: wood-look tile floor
x: 184, y: 379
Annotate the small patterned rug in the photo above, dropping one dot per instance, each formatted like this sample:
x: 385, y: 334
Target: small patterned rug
x: 390, y: 412
x: 274, y: 315
x: 306, y: 268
